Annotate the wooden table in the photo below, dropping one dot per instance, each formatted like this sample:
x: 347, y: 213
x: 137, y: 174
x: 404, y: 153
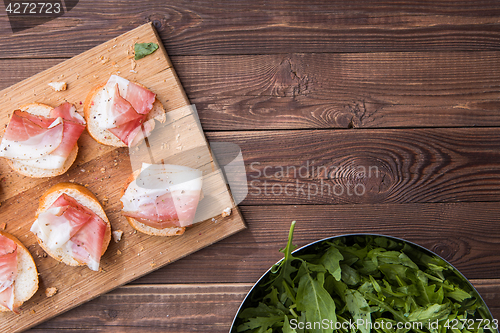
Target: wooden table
x: 407, y: 89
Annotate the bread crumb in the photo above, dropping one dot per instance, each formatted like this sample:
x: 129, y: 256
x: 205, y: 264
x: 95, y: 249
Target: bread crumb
x: 103, y: 170
x: 117, y: 235
x: 226, y: 212
x: 58, y: 86
x: 3, y: 226
x: 152, y: 264
x: 132, y: 71
x: 32, y: 311
x: 118, y: 252
x: 49, y: 292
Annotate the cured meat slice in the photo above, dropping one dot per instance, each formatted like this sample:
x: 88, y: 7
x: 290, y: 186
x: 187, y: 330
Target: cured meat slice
x: 86, y: 245
x: 140, y: 98
x: 43, y: 142
x: 25, y: 139
x: 70, y: 226
x: 64, y: 218
x: 123, y: 107
x: 8, y: 272
x: 67, y: 111
x: 163, y: 196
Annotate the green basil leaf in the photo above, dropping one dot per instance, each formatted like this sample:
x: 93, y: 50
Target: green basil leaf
x: 143, y: 49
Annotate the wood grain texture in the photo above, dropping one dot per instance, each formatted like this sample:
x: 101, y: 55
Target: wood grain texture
x: 234, y: 27
x: 299, y: 91
x: 180, y: 308
x: 465, y: 234
x: 369, y: 166
x: 104, y: 171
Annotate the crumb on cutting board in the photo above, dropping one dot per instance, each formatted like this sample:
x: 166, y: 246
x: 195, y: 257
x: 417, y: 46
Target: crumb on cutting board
x: 51, y: 291
x: 226, y: 212
x: 58, y: 86
x: 117, y: 235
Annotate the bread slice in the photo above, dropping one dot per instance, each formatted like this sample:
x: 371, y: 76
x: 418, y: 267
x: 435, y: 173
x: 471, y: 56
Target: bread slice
x: 103, y: 136
x: 39, y: 109
x: 26, y: 283
x: 84, y: 197
x: 146, y: 229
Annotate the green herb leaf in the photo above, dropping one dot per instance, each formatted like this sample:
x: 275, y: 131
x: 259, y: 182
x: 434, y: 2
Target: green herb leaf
x: 331, y: 260
x: 143, y: 49
x: 314, y: 300
x: 359, y: 309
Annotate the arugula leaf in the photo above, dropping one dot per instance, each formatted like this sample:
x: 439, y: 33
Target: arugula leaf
x: 331, y: 261
x: 262, y: 318
x: 314, y: 300
x: 430, y: 313
x: 286, y: 326
x: 284, y: 268
x: 143, y: 49
x: 359, y: 309
x: 349, y: 275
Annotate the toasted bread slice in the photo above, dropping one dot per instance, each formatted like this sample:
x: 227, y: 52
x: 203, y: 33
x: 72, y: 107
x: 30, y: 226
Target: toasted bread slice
x: 103, y: 136
x: 146, y: 229
x: 39, y: 109
x: 26, y: 283
x: 85, y: 198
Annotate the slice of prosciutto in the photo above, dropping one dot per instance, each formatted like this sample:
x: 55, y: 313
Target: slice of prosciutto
x: 43, y: 142
x: 163, y: 195
x: 8, y: 272
x: 72, y: 228
x: 123, y: 108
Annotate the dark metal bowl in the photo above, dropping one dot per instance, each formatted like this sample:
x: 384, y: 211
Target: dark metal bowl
x: 256, y: 287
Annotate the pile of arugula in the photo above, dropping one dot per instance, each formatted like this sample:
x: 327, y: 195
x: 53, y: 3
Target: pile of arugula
x: 364, y: 279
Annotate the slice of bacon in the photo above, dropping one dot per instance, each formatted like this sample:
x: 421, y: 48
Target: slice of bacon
x: 127, y: 109
x: 163, y: 196
x: 64, y: 219
x: 67, y: 111
x: 8, y: 272
x: 71, y: 134
x: 121, y: 110
x: 67, y: 223
x: 44, y: 142
x: 25, y: 138
x: 186, y: 202
x: 159, y: 214
x: 41, y: 121
x: 127, y: 131
x: 87, y: 243
x: 140, y: 98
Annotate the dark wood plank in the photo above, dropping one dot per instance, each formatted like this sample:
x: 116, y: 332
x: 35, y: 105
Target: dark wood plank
x: 293, y: 91
x: 465, y: 234
x: 368, y: 166
x: 235, y: 27
x: 180, y: 308
x: 155, y: 308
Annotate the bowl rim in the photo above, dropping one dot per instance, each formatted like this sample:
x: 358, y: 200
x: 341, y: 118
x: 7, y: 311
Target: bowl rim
x: 420, y: 247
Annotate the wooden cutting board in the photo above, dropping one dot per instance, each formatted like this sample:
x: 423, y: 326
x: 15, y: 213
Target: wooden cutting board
x: 104, y: 170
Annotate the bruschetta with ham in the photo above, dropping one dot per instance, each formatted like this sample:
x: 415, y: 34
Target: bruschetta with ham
x: 18, y: 273
x: 41, y: 141
x: 71, y: 225
x: 120, y: 112
x: 161, y: 199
